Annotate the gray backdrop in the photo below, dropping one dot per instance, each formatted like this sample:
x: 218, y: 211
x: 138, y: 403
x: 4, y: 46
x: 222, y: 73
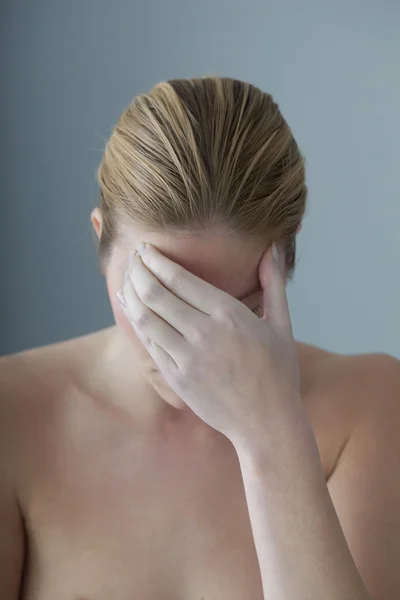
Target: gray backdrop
x: 69, y: 69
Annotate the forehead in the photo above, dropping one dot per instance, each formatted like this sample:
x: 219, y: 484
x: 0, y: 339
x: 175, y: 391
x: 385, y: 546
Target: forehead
x: 226, y: 261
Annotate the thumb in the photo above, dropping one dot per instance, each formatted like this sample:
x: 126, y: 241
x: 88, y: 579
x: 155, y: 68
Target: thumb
x: 271, y: 274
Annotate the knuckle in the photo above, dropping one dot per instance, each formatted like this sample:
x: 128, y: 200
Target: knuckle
x: 202, y: 337
x: 142, y: 321
x: 175, y: 280
x: 152, y: 293
x: 228, y: 312
x: 197, y: 336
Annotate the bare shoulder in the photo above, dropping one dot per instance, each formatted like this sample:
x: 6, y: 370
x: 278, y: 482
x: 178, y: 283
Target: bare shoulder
x: 345, y: 391
x: 31, y: 384
x: 33, y: 380
x: 364, y: 485
x: 26, y: 373
x: 360, y: 381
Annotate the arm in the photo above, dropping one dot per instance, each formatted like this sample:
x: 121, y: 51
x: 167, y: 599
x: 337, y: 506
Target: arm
x: 365, y: 492
x: 11, y: 543
x: 301, y: 548
x: 365, y: 488
x: 11, y: 525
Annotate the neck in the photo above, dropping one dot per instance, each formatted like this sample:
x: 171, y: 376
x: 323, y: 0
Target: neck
x: 114, y: 376
x: 117, y: 379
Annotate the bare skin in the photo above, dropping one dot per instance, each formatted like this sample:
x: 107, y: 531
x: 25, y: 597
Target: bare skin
x: 111, y: 500
x: 112, y: 488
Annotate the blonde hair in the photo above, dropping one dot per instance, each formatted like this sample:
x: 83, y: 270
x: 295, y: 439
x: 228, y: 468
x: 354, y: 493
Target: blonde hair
x: 195, y: 154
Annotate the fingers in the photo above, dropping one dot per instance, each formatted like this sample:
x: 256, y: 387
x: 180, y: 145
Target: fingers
x: 161, y: 300
x: 276, y: 308
x: 163, y: 360
x: 148, y: 324
x: 193, y: 290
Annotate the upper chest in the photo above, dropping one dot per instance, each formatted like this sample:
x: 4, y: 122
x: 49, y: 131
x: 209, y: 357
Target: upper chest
x: 113, y: 516
x: 122, y: 514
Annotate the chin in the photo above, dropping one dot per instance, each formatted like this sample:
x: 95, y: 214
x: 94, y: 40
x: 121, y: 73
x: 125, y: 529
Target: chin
x: 166, y: 393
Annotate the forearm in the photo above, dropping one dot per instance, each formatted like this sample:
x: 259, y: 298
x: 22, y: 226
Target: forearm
x: 301, y: 548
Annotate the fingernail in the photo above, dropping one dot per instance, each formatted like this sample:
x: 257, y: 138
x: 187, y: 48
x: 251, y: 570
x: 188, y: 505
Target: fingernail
x: 141, y: 248
x: 275, y: 254
x: 121, y: 298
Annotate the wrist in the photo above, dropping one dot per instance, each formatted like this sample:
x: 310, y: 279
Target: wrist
x: 276, y: 441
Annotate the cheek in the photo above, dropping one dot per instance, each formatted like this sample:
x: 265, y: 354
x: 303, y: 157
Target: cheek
x: 121, y: 319
x: 123, y: 322
x: 148, y: 366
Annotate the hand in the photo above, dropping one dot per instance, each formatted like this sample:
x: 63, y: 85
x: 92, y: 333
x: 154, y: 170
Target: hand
x: 237, y: 372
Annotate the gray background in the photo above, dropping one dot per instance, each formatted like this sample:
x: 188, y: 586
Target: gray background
x: 70, y: 68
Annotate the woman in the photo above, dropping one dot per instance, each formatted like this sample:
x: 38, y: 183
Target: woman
x: 194, y: 450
